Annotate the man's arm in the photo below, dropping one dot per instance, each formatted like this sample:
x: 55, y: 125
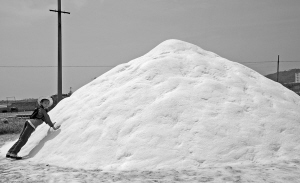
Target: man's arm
x: 47, y: 119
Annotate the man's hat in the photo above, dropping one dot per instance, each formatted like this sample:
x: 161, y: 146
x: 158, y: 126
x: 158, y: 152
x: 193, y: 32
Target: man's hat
x: 47, y: 98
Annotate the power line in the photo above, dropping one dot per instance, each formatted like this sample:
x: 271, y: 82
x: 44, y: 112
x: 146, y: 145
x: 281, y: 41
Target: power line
x: 269, y: 61
x: 29, y: 66
x: 90, y: 66
x: 256, y: 62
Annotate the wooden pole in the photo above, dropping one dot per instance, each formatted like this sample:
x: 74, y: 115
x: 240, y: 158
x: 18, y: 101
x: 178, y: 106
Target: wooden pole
x: 59, y: 82
x: 278, y: 69
x: 59, y: 65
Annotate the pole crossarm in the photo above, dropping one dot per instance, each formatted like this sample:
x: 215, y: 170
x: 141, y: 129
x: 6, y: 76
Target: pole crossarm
x: 60, y: 11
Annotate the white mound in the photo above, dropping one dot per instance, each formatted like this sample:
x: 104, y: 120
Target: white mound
x: 178, y: 106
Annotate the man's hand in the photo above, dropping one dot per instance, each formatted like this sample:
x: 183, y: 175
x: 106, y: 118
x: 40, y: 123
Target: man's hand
x: 55, y: 128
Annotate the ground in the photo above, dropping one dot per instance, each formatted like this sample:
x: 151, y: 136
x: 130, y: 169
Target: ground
x: 22, y: 171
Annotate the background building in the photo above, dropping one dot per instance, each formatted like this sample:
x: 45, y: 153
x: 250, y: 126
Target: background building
x: 297, y: 77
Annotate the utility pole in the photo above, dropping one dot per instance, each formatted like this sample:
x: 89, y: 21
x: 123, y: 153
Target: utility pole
x: 59, y: 88
x: 278, y: 69
x: 70, y: 93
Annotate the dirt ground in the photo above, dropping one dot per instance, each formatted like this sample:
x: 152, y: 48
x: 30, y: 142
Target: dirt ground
x: 24, y: 171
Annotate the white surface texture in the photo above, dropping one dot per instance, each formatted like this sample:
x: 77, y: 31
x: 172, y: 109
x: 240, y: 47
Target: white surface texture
x: 177, y: 106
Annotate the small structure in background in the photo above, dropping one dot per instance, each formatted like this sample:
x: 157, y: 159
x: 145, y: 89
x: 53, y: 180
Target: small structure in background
x: 55, y: 99
x: 297, y: 77
x: 3, y: 109
x: 294, y: 86
x: 24, y: 105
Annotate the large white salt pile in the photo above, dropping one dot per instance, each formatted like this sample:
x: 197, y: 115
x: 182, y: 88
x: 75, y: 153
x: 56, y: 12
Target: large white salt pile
x: 178, y: 106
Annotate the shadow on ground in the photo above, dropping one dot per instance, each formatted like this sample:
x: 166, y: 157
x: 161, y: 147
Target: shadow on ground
x: 50, y: 135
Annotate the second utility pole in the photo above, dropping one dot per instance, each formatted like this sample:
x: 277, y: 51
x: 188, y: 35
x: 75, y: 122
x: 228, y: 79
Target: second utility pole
x: 59, y: 89
x: 278, y: 69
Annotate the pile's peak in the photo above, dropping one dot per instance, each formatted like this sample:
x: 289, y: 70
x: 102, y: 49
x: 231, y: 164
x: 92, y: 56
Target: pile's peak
x: 177, y: 46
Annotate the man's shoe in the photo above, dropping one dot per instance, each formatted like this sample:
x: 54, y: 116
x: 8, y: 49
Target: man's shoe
x: 8, y: 155
x: 14, y: 156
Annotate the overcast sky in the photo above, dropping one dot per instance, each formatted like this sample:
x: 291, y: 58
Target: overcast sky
x: 111, y: 32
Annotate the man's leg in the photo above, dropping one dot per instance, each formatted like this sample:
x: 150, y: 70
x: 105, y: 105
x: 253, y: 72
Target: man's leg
x: 25, y: 124
x: 22, y: 140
